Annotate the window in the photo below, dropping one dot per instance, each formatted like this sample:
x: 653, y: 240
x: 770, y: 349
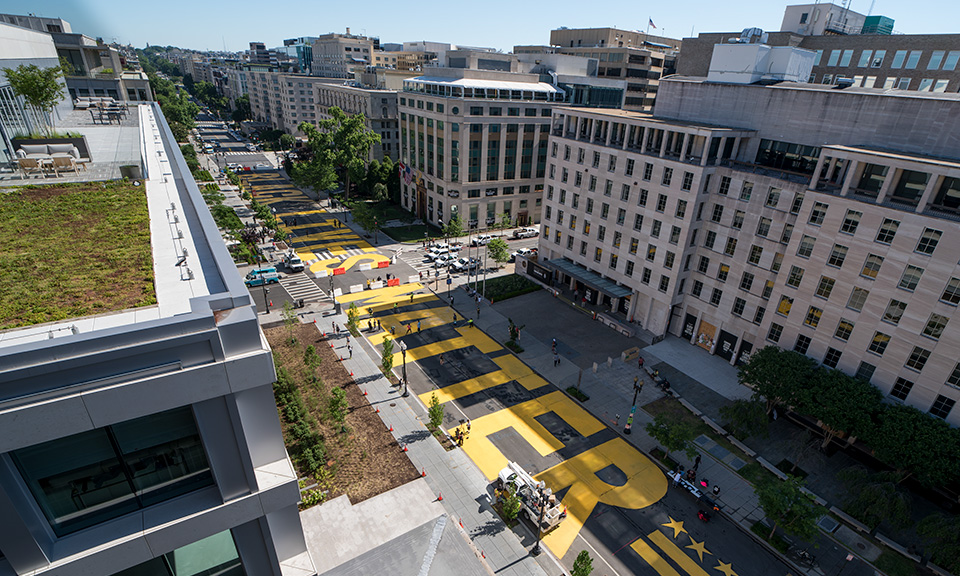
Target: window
x: 755, y: 253
x: 805, y: 249
x: 583, y: 248
x: 629, y: 169
x: 723, y: 272
x: 795, y: 277
x: 91, y: 477
x: 888, y: 230
x: 655, y: 228
x: 918, y: 358
x: 621, y: 216
x: 645, y: 277
x: 637, y: 222
x: 731, y: 248
x: 642, y: 200
x: 865, y: 371
x: 681, y: 209
x: 825, y: 287
x: 613, y: 261
x: 911, y: 277
x: 773, y: 197
x: 942, y: 406
x: 913, y: 59
x: 604, y: 210
x: 717, y: 213
x: 716, y: 296
x: 738, y: 219
x: 928, y: 241
x: 668, y: 259
x: 661, y: 203
x: 629, y: 268
x: 812, y: 319
x: 763, y: 227
x: 758, y: 315
x: 802, y: 344
x: 797, y: 204
x: 215, y: 554
x: 774, y: 333
x: 634, y: 244
x: 935, y: 325
x: 746, y: 281
x: 601, y: 233
x: 871, y: 266
x: 837, y: 255
x: 647, y: 171
x: 651, y: 252
x: 834, y: 58
x: 667, y: 176
x: 612, y: 164
x: 710, y: 240
x: 901, y: 389
x: 697, y: 288
x: 818, y: 213
x: 864, y: 59
x: 951, y: 294
x: 687, y: 183
x: 786, y: 234
x: 954, y: 379
x: 598, y: 254
x: 625, y: 193
x: 596, y: 159
x: 898, y: 57
x: 783, y: 308
x: 586, y: 227
x: 844, y: 329
x: 894, y: 311
x: 850, y: 222
x: 703, y: 265
x: 832, y: 357
x: 738, y: 305
x: 767, y: 290
x: 664, y: 283
x: 724, y: 187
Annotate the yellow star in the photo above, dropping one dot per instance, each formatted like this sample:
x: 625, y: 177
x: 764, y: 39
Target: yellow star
x: 699, y: 548
x: 725, y: 568
x: 676, y: 525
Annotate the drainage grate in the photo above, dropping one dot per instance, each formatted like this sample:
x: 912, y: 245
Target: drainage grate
x: 828, y: 524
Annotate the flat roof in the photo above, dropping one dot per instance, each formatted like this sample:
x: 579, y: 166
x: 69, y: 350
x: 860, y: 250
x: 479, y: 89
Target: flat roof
x: 496, y: 84
x: 648, y: 117
x: 831, y: 88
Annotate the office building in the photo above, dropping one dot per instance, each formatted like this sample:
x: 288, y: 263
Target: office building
x: 143, y: 438
x: 735, y: 216
x: 302, y: 50
x: 38, y: 23
x: 339, y: 55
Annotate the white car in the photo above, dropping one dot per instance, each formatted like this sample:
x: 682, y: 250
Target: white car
x: 444, y: 260
x: 526, y: 233
x: 481, y: 240
x: 435, y: 253
x: 465, y: 264
x: 521, y: 252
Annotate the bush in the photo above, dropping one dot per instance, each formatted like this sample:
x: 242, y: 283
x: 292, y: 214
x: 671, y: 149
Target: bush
x: 503, y: 287
x: 776, y: 541
x: 572, y: 390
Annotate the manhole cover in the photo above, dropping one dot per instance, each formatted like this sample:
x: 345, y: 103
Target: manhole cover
x: 393, y: 404
x: 861, y: 546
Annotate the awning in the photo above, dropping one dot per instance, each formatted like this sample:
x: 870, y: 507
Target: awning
x: 588, y: 277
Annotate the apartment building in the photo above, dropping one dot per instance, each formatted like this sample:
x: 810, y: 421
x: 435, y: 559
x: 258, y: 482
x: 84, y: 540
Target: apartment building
x: 286, y: 100
x: 742, y: 215
x: 339, y: 55
x: 850, y: 49
x: 145, y: 440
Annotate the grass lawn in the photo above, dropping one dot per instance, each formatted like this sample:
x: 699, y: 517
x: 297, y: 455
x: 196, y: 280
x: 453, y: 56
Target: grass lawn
x: 412, y: 233
x: 72, y: 250
x: 503, y: 287
x: 673, y: 407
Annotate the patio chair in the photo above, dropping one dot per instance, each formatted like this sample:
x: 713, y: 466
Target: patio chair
x: 65, y: 163
x: 96, y: 115
x: 29, y: 165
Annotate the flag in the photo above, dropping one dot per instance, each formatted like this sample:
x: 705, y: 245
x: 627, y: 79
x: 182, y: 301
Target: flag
x: 651, y: 24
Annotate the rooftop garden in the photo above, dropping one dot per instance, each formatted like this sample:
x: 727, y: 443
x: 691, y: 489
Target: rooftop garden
x: 73, y: 250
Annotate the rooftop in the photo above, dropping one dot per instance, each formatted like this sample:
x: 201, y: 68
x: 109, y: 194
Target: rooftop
x: 485, y: 84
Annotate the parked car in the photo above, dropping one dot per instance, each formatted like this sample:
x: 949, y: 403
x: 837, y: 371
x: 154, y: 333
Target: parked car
x: 444, y: 260
x: 526, y: 233
x: 465, y: 265
x: 481, y: 240
x: 521, y: 252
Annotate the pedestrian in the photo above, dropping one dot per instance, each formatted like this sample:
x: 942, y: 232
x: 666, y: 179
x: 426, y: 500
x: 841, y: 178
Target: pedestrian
x: 411, y: 298
x: 454, y: 317
x: 394, y: 307
x: 451, y: 301
x: 421, y: 275
x: 676, y: 479
x: 441, y: 359
x: 556, y: 359
x: 393, y: 331
x: 696, y: 463
x: 335, y: 331
x: 409, y: 328
x: 716, y: 490
x: 418, y: 326
x: 350, y: 350
x: 554, y: 346
x: 478, y: 311
x: 468, y: 428
x: 379, y: 326
x: 640, y: 363
x: 470, y: 322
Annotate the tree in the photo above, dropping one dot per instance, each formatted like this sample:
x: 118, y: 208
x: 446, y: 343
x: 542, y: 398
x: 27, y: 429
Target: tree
x: 311, y: 358
x: 290, y: 320
x: 583, y: 565
x: 380, y: 192
x: 353, y: 317
x: 786, y: 506
x: 942, y: 535
x: 342, y: 142
x: 498, y: 250
x: 745, y: 418
x: 843, y: 404
x: 916, y: 444
x: 241, y: 109
x: 673, y: 433
x: 40, y: 87
x: 875, y: 497
x: 180, y: 132
x: 338, y: 405
x: 454, y: 228
x: 317, y: 172
x: 386, y: 362
x: 364, y: 216
x: 435, y: 411
x: 287, y: 142
x: 511, y: 503
x: 504, y: 221
x: 776, y: 376
x: 514, y: 330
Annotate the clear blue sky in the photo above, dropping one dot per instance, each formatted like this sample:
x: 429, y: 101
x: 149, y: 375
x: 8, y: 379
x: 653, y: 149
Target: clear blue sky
x: 211, y: 24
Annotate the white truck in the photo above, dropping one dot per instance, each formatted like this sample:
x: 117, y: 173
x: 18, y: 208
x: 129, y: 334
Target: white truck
x: 535, y: 497
x: 293, y: 262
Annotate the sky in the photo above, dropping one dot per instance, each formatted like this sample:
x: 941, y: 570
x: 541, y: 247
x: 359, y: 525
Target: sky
x: 215, y: 24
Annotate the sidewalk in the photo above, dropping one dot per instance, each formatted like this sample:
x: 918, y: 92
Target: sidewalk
x: 611, y: 392
x: 466, y: 492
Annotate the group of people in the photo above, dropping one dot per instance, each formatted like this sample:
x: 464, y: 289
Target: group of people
x: 462, y: 433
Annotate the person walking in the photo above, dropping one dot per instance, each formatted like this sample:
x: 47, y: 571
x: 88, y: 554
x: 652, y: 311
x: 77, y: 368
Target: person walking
x: 409, y: 327
x: 418, y: 326
x: 716, y: 490
x: 478, y: 311
x: 696, y: 463
x: 411, y: 298
x: 676, y: 479
x: 394, y: 307
x: 640, y: 362
x: 441, y: 359
x: 350, y: 350
x: 556, y: 359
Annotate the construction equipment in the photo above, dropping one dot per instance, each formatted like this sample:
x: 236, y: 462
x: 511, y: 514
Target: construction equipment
x: 537, y: 501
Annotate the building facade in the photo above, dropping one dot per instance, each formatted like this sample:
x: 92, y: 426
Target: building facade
x: 146, y: 440
x: 736, y: 217
x: 339, y: 55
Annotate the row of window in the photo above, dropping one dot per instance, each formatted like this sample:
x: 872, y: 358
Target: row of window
x: 906, y: 59
x: 666, y: 176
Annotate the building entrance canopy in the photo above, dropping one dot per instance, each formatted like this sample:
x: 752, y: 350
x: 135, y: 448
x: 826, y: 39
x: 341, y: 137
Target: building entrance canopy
x: 588, y: 277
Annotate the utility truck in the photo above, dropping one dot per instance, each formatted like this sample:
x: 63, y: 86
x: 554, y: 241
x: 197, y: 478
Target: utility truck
x: 535, y: 497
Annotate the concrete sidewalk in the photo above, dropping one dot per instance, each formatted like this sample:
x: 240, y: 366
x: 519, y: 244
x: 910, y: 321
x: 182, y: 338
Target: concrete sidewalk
x: 466, y: 492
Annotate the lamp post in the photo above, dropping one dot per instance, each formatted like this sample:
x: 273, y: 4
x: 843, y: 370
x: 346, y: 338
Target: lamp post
x: 403, y: 353
x: 543, y: 506
x: 637, y: 388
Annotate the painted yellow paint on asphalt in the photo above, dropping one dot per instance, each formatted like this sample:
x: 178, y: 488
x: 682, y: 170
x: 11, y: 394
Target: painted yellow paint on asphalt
x: 676, y: 554
x: 347, y: 263
x: 651, y: 557
x: 511, y: 369
x: 384, y: 298
x: 645, y: 485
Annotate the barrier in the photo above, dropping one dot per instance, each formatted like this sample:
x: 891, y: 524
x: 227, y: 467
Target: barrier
x: 366, y: 266
x: 321, y: 273
x: 383, y: 263
x: 413, y: 279
x: 393, y: 282
x: 630, y: 354
x: 376, y: 285
x: 339, y: 271
x: 356, y: 288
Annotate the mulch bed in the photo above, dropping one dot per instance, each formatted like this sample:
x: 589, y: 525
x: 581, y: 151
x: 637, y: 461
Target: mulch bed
x: 365, y: 460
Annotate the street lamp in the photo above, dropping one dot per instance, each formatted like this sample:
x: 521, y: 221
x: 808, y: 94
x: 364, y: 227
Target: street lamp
x: 541, y: 501
x: 637, y: 388
x: 403, y: 352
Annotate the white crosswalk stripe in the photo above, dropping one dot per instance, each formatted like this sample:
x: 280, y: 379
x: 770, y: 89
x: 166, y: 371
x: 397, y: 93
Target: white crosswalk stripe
x: 228, y: 152
x: 327, y: 255
x: 300, y: 286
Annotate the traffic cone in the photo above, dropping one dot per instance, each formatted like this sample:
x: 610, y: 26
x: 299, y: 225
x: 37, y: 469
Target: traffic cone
x: 405, y: 448
x: 364, y: 390
x: 378, y: 410
x: 391, y: 427
x: 482, y: 555
x: 424, y: 473
x: 351, y: 375
x: 440, y: 497
x: 461, y: 522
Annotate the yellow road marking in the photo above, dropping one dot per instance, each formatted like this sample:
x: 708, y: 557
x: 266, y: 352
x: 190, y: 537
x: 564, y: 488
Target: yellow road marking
x: 651, y: 557
x: 676, y: 554
x: 385, y: 296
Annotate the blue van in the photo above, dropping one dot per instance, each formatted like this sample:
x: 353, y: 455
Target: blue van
x: 261, y: 276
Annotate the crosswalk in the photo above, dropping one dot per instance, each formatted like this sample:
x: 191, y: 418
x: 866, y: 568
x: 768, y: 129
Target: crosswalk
x: 300, y: 286
x: 327, y: 254
x: 228, y: 152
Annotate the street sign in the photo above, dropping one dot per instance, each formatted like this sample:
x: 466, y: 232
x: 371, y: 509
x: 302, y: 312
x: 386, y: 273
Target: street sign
x: 449, y: 281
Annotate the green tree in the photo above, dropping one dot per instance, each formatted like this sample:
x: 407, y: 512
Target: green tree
x: 454, y: 228
x: 777, y: 376
x: 745, y: 418
x: 941, y: 533
x: 341, y: 142
x: 875, y: 497
x: 386, y: 362
x: 786, y: 506
x: 338, y: 405
x: 287, y: 142
x: 311, y: 358
x: 180, y: 132
x: 353, y: 318
x: 915, y: 443
x: 673, y: 434
x: 583, y: 565
x: 435, y: 411
x: 241, y: 110
x: 290, y: 320
x: 504, y: 221
x: 511, y: 503
x: 319, y: 172
x: 380, y: 192
x: 39, y: 87
x: 498, y: 250
x: 843, y: 404
x: 364, y: 216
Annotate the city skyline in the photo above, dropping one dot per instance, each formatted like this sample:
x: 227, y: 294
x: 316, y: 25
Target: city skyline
x: 216, y: 26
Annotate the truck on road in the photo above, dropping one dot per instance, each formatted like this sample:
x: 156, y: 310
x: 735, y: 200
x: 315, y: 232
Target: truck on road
x: 293, y: 262
x: 537, y: 501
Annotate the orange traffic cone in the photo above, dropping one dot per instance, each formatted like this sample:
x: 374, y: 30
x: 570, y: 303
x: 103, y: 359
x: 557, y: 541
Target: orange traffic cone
x: 405, y: 448
x: 424, y: 473
x: 351, y: 374
x: 391, y: 427
x: 378, y: 410
x: 440, y: 497
x: 364, y: 390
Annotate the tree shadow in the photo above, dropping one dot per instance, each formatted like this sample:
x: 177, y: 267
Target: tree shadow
x: 415, y: 436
